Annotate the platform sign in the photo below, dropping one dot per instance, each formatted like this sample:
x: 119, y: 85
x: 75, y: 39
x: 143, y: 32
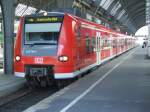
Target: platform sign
x: 57, y: 19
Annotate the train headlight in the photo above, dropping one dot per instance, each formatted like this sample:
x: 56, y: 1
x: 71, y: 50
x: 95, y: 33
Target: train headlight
x: 18, y: 58
x: 63, y: 58
x: 45, y: 14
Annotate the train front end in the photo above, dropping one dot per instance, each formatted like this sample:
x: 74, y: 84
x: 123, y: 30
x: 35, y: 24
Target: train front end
x: 40, y: 49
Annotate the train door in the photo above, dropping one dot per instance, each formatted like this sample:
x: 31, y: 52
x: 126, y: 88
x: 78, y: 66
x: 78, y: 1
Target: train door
x: 98, y: 48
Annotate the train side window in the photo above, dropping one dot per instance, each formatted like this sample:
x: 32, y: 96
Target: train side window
x: 108, y: 42
x: 102, y: 43
x: 105, y: 43
x: 114, y: 43
x: 87, y: 44
x: 78, y: 31
x: 126, y: 42
x: 122, y: 42
x: 93, y: 43
x: 119, y: 44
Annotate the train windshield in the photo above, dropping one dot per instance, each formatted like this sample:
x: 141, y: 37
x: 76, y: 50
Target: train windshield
x: 42, y: 31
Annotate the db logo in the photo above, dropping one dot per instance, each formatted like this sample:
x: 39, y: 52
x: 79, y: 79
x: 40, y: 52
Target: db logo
x: 38, y: 60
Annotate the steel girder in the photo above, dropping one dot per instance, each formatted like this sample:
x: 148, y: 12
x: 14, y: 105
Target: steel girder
x: 135, y: 9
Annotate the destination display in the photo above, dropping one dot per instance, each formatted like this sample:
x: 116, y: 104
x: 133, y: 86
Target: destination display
x: 57, y: 19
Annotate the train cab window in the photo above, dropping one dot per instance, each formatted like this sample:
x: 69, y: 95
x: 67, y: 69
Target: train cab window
x: 42, y: 37
x: 42, y: 33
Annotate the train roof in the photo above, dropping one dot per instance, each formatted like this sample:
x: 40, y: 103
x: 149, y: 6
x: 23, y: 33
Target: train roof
x: 47, y: 14
x: 105, y: 29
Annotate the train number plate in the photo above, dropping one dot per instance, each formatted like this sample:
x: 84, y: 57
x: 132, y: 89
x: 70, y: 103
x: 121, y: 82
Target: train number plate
x: 38, y: 60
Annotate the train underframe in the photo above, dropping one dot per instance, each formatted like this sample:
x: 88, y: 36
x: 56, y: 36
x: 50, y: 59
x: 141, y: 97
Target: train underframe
x: 43, y: 76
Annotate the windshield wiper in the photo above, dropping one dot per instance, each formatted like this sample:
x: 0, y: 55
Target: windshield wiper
x: 41, y: 44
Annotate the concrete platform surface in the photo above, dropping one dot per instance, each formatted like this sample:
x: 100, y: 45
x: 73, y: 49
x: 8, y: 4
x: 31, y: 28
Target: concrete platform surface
x: 121, y: 85
x: 9, y: 83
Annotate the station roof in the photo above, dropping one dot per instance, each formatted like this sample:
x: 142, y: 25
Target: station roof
x: 131, y: 13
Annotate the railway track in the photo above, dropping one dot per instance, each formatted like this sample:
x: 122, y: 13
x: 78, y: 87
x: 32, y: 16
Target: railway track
x: 14, y: 96
x: 24, y: 98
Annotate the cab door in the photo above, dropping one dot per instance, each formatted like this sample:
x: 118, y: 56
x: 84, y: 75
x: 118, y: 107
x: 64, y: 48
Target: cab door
x: 98, y: 48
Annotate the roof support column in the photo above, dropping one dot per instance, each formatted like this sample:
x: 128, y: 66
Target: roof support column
x: 8, y: 12
x: 148, y: 23
x: 148, y: 44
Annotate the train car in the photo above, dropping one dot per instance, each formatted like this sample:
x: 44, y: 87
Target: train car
x: 55, y: 47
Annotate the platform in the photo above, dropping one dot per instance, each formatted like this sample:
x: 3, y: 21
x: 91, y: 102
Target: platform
x: 9, y: 83
x: 121, y: 85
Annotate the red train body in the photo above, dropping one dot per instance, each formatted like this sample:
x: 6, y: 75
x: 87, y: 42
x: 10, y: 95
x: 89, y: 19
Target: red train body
x: 62, y: 46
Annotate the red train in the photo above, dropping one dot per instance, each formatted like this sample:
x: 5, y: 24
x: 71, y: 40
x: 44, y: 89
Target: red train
x: 58, y: 46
